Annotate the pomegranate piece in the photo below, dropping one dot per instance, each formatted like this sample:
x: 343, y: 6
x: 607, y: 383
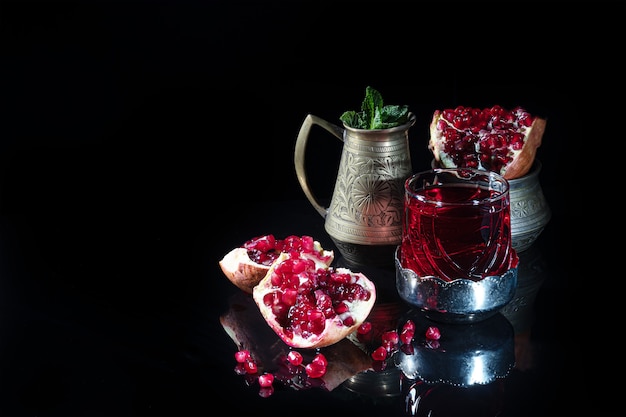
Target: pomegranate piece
x: 246, y: 265
x: 494, y: 139
x: 312, y: 305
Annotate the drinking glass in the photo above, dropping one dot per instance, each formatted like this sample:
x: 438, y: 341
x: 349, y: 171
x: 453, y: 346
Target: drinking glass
x: 456, y: 224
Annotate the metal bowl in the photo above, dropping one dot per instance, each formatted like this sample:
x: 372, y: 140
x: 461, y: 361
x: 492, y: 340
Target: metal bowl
x: 458, y: 301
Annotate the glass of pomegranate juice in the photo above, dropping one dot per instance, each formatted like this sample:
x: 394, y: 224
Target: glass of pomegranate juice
x: 456, y: 224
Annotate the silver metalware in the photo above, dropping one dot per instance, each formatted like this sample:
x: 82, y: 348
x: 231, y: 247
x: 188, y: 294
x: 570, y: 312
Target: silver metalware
x: 364, y: 218
x: 530, y: 212
x: 458, y: 301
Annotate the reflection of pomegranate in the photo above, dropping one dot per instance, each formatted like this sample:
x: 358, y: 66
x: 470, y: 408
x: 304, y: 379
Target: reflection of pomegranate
x: 493, y: 139
x: 255, y: 340
x: 247, y: 265
x: 311, y: 305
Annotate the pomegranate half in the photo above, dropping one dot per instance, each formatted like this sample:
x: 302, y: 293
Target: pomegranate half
x: 309, y: 306
x: 493, y: 139
x: 246, y: 266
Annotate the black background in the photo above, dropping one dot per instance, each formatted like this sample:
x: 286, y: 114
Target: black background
x: 138, y: 139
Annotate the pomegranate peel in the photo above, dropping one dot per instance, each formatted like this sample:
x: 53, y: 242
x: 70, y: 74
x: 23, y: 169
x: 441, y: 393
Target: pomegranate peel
x: 493, y: 139
x: 524, y: 159
x: 241, y: 270
x: 312, y: 307
x: 246, y: 273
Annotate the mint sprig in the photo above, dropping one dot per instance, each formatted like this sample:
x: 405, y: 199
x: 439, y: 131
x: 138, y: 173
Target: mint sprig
x: 374, y: 114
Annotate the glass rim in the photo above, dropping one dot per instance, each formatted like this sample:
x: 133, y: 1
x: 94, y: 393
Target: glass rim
x: 491, y: 176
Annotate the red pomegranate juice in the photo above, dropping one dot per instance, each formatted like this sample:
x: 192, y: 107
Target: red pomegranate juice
x: 456, y: 229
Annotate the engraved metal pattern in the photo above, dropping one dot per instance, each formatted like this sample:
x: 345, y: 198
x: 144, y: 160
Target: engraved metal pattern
x: 458, y: 301
x: 367, y: 203
x: 364, y: 217
x: 529, y: 210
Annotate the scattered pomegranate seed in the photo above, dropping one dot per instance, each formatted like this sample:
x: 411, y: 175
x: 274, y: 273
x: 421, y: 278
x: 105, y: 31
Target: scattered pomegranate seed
x: 390, y: 337
x: 364, y: 328
x: 294, y: 357
x: 408, y: 325
x: 242, y: 356
x: 406, y: 336
x: 251, y: 367
x: 317, y: 367
x: 379, y: 354
x: 433, y: 333
x: 408, y: 332
x: 266, y: 380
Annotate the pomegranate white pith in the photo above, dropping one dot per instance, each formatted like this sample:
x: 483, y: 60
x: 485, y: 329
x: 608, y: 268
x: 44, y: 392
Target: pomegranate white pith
x: 246, y: 266
x: 312, y: 307
x: 493, y: 139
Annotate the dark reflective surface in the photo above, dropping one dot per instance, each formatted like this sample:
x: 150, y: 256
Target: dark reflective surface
x: 120, y: 343
x: 140, y: 143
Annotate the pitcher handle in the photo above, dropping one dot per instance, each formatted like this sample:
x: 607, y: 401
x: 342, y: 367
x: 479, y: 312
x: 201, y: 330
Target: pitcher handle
x: 299, y: 154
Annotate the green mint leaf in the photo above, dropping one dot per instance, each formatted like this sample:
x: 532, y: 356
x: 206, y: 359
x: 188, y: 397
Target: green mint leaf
x: 349, y: 118
x: 395, y: 114
x: 375, y: 115
x: 372, y: 103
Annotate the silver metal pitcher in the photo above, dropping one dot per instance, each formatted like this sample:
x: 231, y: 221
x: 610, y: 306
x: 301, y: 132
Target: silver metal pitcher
x: 364, y: 218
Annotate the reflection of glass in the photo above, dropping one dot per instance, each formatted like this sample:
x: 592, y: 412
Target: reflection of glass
x: 457, y: 224
x: 461, y: 374
x: 520, y: 311
x: 466, y: 355
x: 427, y: 400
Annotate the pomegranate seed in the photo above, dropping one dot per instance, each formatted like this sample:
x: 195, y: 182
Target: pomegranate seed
x: 408, y: 332
x: 266, y: 380
x: 364, y: 328
x: 294, y: 357
x: 242, y: 356
x: 320, y: 359
x: 251, y: 367
x: 433, y: 333
x: 390, y: 338
x: 408, y: 325
x: 379, y: 354
x: 406, y: 336
x: 317, y: 367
